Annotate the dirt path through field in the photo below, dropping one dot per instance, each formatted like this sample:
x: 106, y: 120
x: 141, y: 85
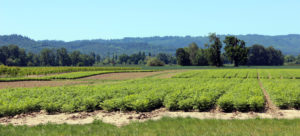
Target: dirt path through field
x: 269, y: 107
x: 124, y: 118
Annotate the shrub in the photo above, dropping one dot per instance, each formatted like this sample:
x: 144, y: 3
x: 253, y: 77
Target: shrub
x: 155, y: 62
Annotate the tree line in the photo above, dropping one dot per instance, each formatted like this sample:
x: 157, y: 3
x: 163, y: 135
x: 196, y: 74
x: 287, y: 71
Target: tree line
x: 290, y: 59
x: 235, y: 51
x: 12, y: 55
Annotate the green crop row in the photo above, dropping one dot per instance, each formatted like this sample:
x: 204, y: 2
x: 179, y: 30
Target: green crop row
x: 279, y: 73
x: 72, y: 75
x: 5, y: 70
x: 220, y: 73
x: 285, y: 93
x: 137, y: 95
x: 23, y: 71
x: 242, y: 73
x: 242, y: 97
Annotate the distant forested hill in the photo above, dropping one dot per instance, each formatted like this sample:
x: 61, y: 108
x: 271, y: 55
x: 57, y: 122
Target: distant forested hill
x: 288, y: 44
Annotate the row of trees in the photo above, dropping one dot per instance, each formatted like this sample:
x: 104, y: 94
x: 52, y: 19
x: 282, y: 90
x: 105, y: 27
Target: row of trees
x: 236, y: 52
x: 12, y: 55
x: 290, y: 59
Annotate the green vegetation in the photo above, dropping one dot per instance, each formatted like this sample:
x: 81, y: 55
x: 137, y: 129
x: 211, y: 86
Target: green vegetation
x: 279, y: 73
x: 236, y: 50
x: 165, y: 126
x: 243, y: 97
x: 193, y: 90
x: 5, y: 70
x: 284, y: 93
x: 155, y: 62
x: 214, y: 51
x: 25, y: 71
x: 289, y: 44
x: 71, y: 75
x: 219, y: 73
x: 138, y: 95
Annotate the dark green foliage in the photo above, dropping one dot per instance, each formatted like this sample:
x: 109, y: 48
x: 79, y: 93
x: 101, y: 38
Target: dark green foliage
x: 182, y: 57
x: 155, y: 62
x: 12, y: 55
x: 192, y: 50
x: 236, y: 50
x: 201, y: 57
x: 214, y: 50
x: 166, y: 58
x: 259, y: 55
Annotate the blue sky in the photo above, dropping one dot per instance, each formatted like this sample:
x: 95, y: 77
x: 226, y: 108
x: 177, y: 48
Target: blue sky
x: 110, y: 19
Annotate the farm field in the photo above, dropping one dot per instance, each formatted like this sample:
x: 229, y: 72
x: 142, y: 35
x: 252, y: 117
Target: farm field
x: 141, y: 95
x: 70, y: 75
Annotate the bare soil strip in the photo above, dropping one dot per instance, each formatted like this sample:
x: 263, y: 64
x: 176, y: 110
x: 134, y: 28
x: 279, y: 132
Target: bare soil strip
x: 124, y: 118
x: 28, y: 84
x: 270, y: 107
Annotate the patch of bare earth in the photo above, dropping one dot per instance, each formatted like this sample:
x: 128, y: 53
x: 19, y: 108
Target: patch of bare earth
x: 124, y: 118
x: 28, y: 84
x: 124, y: 76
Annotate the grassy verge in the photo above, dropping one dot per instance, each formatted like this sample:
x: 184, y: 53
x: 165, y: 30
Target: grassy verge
x: 164, y: 127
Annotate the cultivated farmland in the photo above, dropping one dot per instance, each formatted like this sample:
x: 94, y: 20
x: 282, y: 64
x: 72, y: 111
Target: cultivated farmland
x: 209, y: 92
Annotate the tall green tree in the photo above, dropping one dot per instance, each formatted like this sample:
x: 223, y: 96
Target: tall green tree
x: 182, y: 57
x: 236, y: 50
x: 257, y: 55
x: 193, y: 50
x: 201, y: 57
x: 75, y: 57
x: 63, y: 57
x: 275, y: 57
x: 47, y: 57
x: 214, y: 50
x: 298, y: 59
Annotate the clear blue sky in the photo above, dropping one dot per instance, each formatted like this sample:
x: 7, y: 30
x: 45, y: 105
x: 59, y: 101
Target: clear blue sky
x: 109, y: 19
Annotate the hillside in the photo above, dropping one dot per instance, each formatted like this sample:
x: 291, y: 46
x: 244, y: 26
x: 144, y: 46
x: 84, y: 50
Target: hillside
x: 288, y: 44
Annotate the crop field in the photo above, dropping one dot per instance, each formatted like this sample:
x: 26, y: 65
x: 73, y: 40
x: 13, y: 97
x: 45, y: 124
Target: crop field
x: 71, y: 75
x: 198, y: 90
x: 219, y: 73
x: 284, y: 93
x: 279, y: 73
x: 24, y: 71
x: 207, y: 90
